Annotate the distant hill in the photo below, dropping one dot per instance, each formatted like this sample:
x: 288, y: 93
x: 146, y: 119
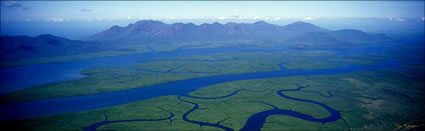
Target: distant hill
x: 357, y: 36
x: 298, y: 34
x: 24, y: 47
x: 316, y: 39
x: 156, y: 35
x: 339, y: 38
x: 299, y: 28
x: 155, y: 30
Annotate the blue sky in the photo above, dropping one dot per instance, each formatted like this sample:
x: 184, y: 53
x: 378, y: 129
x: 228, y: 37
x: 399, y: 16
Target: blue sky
x: 114, y: 10
x: 82, y: 18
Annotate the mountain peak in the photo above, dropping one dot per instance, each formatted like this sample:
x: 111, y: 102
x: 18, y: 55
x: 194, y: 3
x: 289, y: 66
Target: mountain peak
x: 304, y: 27
x: 230, y: 23
x: 350, y: 31
x: 147, y: 22
x: 116, y: 28
x: 49, y: 36
x: 212, y: 24
x: 46, y: 35
x: 216, y: 23
x: 181, y: 24
x: 260, y: 22
x: 300, y: 23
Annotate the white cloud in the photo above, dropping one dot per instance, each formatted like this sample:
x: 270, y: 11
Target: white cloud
x: 221, y: 17
x: 172, y: 17
x: 397, y: 19
x: 129, y: 18
x: 244, y: 17
x: 188, y: 17
x: 400, y: 20
x: 11, y: 4
x: 183, y: 17
x: 423, y: 18
x: 309, y: 18
x: 99, y: 18
x: 55, y: 19
x: 257, y: 18
x: 236, y: 16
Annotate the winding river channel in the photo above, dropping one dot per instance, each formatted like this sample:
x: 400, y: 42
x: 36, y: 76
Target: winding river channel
x: 69, y: 70
x: 255, y: 122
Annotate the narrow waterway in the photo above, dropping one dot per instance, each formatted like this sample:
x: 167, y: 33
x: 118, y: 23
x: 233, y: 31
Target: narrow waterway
x: 181, y: 88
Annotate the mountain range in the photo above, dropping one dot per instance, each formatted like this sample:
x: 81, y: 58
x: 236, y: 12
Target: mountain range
x: 298, y: 32
x: 25, y: 47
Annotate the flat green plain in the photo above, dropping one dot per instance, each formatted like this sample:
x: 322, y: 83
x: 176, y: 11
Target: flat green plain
x: 367, y: 100
x: 382, y: 99
x: 159, y: 71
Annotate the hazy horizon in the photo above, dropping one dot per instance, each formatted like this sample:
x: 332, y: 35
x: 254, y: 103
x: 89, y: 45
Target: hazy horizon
x: 80, y: 19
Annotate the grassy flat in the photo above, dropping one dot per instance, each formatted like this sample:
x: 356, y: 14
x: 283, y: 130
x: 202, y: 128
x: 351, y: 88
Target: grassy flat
x: 366, y: 100
x: 159, y: 71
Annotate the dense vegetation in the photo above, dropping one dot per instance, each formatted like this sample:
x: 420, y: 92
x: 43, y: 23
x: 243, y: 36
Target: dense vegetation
x: 366, y: 100
x: 382, y: 99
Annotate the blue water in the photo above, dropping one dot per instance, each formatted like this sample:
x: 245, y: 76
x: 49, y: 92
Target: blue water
x: 183, y: 87
x: 256, y: 121
x: 17, y: 78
